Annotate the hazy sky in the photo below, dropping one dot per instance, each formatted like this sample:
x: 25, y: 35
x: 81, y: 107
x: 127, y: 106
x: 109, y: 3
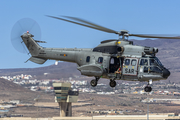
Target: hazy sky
x: 136, y: 16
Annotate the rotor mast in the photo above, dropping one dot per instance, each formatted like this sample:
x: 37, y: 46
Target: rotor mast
x: 123, y: 33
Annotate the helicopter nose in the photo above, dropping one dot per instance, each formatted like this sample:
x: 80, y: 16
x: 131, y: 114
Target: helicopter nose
x: 166, y: 73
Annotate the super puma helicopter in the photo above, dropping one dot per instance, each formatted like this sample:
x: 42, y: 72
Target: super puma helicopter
x: 136, y: 63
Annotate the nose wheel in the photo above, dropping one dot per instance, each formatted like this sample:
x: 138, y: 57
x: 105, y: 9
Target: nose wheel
x: 94, y: 82
x: 148, y: 89
x: 112, y: 83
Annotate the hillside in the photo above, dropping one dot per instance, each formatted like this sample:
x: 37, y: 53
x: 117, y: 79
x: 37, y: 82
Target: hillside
x: 12, y: 91
x: 62, y: 70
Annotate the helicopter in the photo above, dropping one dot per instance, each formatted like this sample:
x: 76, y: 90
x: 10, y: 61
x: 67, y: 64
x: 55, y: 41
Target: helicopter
x: 114, y: 59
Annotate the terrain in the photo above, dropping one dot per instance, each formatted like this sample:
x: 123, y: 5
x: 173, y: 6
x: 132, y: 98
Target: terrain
x: 131, y: 104
x: 11, y: 91
x: 46, y: 107
x: 62, y: 70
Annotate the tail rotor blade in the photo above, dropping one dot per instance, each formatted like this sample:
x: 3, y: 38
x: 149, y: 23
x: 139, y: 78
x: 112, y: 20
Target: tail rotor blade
x: 21, y: 27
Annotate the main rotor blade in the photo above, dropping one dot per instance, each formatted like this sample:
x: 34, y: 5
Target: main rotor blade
x: 88, y: 24
x: 152, y: 36
x: 92, y: 24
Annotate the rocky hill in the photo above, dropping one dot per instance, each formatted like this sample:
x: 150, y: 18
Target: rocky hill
x: 11, y: 91
x: 62, y: 70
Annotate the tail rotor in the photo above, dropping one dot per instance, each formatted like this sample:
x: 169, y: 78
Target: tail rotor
x: 20, y: 27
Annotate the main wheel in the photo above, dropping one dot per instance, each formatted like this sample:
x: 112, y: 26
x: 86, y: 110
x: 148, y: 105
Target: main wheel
x: 93, y: 83
x: 112, y: 83
x: 147, y: 89
x: 150, y: 89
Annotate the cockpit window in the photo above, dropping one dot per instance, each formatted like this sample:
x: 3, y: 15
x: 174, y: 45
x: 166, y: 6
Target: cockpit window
x: 145, y: 69
x: 152, y: 61
x: 144, y: 62
x: 157, y: 60
x: 155, y: 69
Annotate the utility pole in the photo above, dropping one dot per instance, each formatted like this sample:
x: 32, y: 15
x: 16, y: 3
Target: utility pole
x: 115, y: 96
x: 36, y: 99
x: 148, y: 106
x: 92, y: 106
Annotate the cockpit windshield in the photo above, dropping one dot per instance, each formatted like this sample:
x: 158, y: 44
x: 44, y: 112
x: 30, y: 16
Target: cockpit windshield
x: 151, y: 65
x: 158, y: 61
x: 155, y: 69
x: 155, y: 61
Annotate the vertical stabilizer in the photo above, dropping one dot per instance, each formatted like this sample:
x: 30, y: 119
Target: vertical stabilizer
x: 30, y: 43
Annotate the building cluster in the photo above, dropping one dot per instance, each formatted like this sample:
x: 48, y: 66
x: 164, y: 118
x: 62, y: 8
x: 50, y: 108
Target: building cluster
x: 159, y: 88
x: 17, y: 77
x: 160, y: 100
x: 114, y: 111
x: 45, y: 85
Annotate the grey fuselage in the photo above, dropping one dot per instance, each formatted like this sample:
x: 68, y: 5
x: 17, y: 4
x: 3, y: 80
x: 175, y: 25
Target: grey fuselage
x: 136, y: 62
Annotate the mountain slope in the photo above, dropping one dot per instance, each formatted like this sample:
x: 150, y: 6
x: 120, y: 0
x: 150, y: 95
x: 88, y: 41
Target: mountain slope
x: 12, y: 91
x: 62, y: 70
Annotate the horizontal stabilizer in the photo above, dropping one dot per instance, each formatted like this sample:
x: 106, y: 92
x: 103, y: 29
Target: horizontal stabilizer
x: 40, y: 41
x: 37, y: 60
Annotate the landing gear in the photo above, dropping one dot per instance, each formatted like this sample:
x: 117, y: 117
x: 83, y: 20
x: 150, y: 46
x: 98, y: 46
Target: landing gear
x: 112, y: 83
x: 148, y: 87
x: 94, y: 82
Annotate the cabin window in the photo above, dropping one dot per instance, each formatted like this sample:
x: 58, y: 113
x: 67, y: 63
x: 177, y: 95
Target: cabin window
x: 127, y: 61
x: 112, y: 61
x: 100, y: 59
x: 144, y: 62
x: 87, y: 58
x: 133, y: 62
